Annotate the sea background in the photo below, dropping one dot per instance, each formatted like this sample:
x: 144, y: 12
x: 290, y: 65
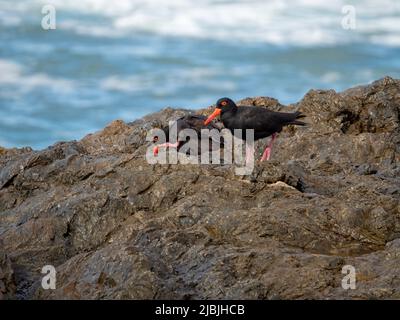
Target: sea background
x: 123, y: 59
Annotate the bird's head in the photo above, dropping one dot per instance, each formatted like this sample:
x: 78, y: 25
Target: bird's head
x: 223, y: 105
x: 166, y: 132
x: 156, y: 138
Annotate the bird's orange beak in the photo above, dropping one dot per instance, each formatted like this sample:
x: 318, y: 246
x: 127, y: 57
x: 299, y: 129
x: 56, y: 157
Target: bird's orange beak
x: 155, y: 151
x: 216, y: 113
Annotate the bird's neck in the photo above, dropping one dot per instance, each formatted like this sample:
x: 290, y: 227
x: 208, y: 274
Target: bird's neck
x: 228, y: 116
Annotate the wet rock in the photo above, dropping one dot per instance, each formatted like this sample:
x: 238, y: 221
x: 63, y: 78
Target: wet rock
x: 116, y: 227
x: 7, y: 284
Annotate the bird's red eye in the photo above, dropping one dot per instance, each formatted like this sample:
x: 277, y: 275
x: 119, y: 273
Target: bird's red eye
x: 224, y: 103
x: 155, y: 139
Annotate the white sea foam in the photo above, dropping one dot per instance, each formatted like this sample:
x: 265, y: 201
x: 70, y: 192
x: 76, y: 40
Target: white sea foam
x: 125, y: 84
x: 330, y: 77
x: 9, y: 20
x: 166, y: 84
x: 282, y: 22
x: 13, y: 74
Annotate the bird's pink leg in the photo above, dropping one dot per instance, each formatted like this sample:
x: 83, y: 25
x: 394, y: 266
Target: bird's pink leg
x: 170, y: 145
x: 267, y: 152
x: 249, y: 153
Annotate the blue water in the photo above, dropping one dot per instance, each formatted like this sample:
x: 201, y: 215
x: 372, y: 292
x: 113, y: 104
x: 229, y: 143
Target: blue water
x: 107, y: 61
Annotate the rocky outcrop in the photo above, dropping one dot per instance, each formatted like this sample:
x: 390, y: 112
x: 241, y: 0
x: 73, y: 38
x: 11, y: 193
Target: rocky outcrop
x: 116, y: 227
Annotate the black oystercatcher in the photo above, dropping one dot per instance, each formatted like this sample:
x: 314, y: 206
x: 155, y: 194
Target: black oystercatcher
x: 264, y: 122
x: 195, y: 122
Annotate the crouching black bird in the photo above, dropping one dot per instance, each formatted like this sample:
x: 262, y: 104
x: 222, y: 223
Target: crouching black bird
x: 191, y: 121
x: 264, y: 122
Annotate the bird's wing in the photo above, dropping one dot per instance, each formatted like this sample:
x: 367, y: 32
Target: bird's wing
x: 261, y: 119
x: 254, y: 118
x: 196, y: 122
x: 196, y: 116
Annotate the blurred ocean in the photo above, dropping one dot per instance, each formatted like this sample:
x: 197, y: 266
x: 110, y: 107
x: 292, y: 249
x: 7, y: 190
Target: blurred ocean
x: 123, y: 59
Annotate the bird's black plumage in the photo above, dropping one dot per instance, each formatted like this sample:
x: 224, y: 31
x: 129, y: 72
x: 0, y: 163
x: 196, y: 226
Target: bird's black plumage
x: 264, y: 122
x: 194, y: 122
x: 190, y: 121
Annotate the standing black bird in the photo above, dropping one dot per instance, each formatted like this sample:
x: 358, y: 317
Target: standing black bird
x: 191, y: 121
x: 264, y: 122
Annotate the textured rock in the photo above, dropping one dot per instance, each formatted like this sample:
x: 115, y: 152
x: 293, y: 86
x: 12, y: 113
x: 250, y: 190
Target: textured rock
x: 7, y: 285
x: 115, y: 226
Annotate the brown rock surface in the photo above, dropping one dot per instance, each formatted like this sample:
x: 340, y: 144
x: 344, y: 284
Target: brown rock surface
x: 115, y: 226
x: 7, y: 285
